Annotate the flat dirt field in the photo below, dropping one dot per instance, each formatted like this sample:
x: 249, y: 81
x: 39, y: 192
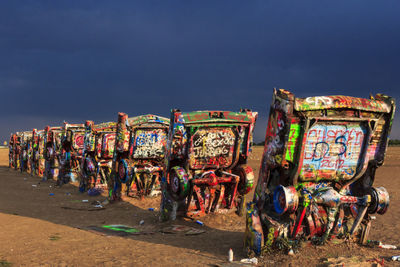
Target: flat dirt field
x: 42, y: 229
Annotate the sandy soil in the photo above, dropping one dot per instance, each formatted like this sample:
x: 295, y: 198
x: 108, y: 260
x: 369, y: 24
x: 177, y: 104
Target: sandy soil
x: 52, y: 230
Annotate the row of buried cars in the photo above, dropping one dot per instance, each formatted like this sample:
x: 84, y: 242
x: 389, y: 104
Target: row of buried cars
x: 316, y: 174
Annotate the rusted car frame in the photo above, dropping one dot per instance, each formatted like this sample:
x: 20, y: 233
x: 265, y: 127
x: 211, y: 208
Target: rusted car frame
x: 52, y: 151
x: 38, y: 161
x: 318, y: 168
x: 99, y: 145
x: 14, y: 150
x: 71, y: 152
x: 26, y: 151
x: 139, y: 155
x: 206, y: 163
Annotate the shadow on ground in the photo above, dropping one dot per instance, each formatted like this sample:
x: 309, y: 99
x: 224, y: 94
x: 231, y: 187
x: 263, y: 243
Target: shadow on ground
x: 25, y: 195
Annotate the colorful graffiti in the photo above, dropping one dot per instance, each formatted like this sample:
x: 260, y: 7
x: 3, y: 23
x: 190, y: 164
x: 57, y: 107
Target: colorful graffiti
x: 149, y: 143
x: 210, y: 173
x: 96, y: 161
x: 212, y: 147
x: 332, y: 151
x: 72, y: 145
x: 139, y: 156
x: 341, y: 102
x: 317, y: 170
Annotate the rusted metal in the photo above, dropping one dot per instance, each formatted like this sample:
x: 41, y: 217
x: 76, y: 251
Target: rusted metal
x: 38, y: 161
x: 52, y: 151
x: 139, y: 153
x: 99, y: 144
x: 318, y: 167
x: 206, y: 161
x: 71, y: 152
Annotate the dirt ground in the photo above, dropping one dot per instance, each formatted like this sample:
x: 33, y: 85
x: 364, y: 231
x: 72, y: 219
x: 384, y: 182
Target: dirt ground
x: 39, y: 228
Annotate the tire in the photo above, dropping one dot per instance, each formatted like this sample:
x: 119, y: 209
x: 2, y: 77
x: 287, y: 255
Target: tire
x: 246, y: 181
x: 178, y: 183
x: 123, y: 171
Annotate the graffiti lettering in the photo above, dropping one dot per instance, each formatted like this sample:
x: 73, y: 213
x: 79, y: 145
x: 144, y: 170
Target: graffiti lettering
x: 332, y: 150
x: 149, y: 143
x: 212, y: 147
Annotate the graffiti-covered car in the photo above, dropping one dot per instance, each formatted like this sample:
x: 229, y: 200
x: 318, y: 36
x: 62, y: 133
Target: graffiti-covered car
x: 52, y: 151
x: 11, y: 151
x: 26, y: 151
x: 38, y: 161
x: 99, y: 144
x: 318, y: 168
x: 207, y: 167
x: 139, y: 155
x: 71, y: 152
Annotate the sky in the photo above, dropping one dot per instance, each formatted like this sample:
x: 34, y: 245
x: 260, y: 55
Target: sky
x: 77, y: 60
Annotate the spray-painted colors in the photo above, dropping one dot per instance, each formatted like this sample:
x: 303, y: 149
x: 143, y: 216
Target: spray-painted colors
x: 71, y: 152
x: 98, y: 149
x: 52, y: 151
x: 206, y: 160
x: 317, y: 169
x: 38, y: 161
x: 139, y: 153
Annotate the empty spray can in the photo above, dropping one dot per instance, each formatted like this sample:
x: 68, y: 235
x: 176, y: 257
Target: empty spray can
x: 230, y: 255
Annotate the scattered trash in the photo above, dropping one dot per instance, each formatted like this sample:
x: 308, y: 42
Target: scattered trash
x: 250, y: 261
x: 118, y: 230
x: 230, y: 255
x: 50, y: 186
x: 34, y: 185
x: 85, y: 200
x: 97, y: 204
x: 151, y: 209
x: 199, y: 222
x: 387, y: 246
x: 141, y: 222
x: 68, y: 193
x: 379, y: 244
x: 94, y: 191
x: 396, y: 258
x: 177, y: 229
x: 54, y: 237
x: 155, y: 193
x: 373, y: 217
x: 83, y: 209
x: 291, y: 252
x: 51, y: 194
x: 353, y: 261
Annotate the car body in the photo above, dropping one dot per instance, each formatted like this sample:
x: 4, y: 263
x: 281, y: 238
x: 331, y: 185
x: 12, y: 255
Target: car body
x: 11, y: 150
x: 206, y: 162
x: 26, y: 151
x: 99, y: 144
x: 38, y: 161
x: 318, y: 168
x: 53, y: 135
x: 139, y: 155
x: 71, y: 152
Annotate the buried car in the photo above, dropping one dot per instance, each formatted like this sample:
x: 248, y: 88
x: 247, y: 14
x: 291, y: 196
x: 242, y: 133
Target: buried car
x: 318, y: 168
x: 14, y: 150
x: 26, y: 151
x: 52, y: 151
x: 38, y: 161
x: 206, y: 162
x: 71, y: 152
x: 139, y: 155
x: 99, y: 144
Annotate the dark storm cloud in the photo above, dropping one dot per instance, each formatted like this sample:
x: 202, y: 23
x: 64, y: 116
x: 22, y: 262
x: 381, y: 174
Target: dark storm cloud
x: 77, y: 60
